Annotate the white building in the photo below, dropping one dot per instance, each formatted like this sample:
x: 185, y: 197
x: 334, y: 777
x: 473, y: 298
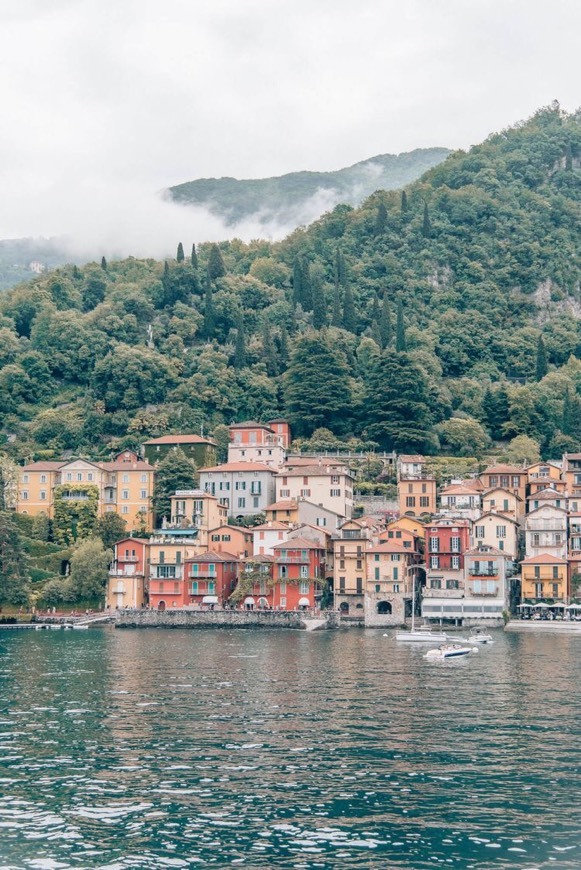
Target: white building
x: 245, y: 488
x: 267, y: 536
x: 328, y: 486
x: 546, y: 531
x: 498, y: 531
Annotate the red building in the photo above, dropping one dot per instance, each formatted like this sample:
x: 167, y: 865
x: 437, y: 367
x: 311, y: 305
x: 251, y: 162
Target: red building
x: 298, y: 572
x: 446, y: 542
x: 126, y: 584
x: 210, y: 578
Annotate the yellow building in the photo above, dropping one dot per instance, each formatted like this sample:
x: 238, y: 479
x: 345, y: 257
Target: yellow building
x: 388, y: 584
x: 407, y: 524
x: 503, y: 501
x: 196, y: 508
x: 544, y: 576
x: 417, y: 495
x: 349, y: 567
x: 541, y: 475
x: 123, y: 486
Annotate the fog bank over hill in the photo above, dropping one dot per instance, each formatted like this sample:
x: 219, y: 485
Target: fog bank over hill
x: 84, y: 221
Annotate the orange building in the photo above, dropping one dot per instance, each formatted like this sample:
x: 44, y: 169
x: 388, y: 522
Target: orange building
x: 127, y: 574
x: 544, y: 576
x: 509, y: 477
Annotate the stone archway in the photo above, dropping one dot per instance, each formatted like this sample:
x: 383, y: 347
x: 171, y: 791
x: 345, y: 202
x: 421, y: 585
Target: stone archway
x: 384, y: 607
x: 161, y: 606
x: 344, y: 607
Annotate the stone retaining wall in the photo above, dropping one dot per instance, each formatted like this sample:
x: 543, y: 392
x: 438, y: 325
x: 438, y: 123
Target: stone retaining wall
x: 222, y: 619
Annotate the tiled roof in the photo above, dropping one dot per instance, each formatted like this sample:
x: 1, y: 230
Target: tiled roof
x: 461, y: 489
x: 313, y: 470
x: 126, y: 466
x: 486, y: 551
x: 281, y: 506
x: 546, y: 494
x: 273, y: 526
x: 239, y: 466
x: 250, y: 424
x: 544, y: 559
x: 212, y: 556
x: 502, y: 489
x: 180, y: 439
x: 504, y: 469
x: 43, y: 466
x: 298, y: 544
x: 390, y: 547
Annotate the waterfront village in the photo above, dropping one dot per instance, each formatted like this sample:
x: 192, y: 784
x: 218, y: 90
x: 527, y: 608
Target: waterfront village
x: 470, y: 550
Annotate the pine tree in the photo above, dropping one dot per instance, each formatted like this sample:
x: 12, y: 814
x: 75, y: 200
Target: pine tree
x: 349, y: 315
x: 317, y: 386
x: 216, y: 267
x: 307, y: 288
x: 375, y: 313
x: 336, y: 315
x: 240, y: 346
x: 400, y: 339
x: 283, y: 348
x: 542, y: 366
x: 426, y: 226
x: 194, y: 258
x: 568, y: 158
x: 103, y: 264
x: 398, y: 401
x: 404, y: 202
x: 180, y: 253
x: 495, y: 407
x: 385, y: 322
x: 319, y: 303
x: 376, y: 333
x: 209, y: 318
x: 340, y: 271
x: 381, y: 219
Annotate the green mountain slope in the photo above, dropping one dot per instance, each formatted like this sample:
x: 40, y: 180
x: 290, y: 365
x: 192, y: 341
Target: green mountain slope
x: 299, y: 197
x: 436, y: 318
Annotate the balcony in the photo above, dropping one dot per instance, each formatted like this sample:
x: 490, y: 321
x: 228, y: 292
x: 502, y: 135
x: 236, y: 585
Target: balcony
x: 128, y: 558
x: 490, y: 592
x: 295, y: 560
x: 203, y: 575
x: 119, y: 572
x: 483, y: 572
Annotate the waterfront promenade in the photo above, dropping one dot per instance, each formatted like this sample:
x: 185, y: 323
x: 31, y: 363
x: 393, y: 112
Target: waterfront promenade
x: 543, y: 626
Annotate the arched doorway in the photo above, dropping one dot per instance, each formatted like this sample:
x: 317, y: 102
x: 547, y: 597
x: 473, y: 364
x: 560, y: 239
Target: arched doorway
x: 383, y: 607
x: 344, y: 607
x: 161, y: 606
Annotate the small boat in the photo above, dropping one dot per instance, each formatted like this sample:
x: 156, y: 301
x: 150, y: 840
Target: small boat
x: 421, y: 635
x: 81, y: 627
x: 480, y: 638
x: 449, y: 651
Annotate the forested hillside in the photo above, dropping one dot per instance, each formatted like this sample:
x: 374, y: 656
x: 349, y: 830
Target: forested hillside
x: 288, y: 198
x: 438, y: 317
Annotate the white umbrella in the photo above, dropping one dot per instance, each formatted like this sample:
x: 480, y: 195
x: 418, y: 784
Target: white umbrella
x: 573, y: 607
x: 541, y: 604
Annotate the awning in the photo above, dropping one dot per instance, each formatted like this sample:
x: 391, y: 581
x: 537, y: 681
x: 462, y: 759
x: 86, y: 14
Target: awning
x: 304, y: 602
x: 210, y: 599
x: 249, y: 600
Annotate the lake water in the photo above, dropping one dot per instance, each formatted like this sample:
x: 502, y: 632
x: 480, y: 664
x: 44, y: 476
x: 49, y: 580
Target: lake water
x: 285, y: 749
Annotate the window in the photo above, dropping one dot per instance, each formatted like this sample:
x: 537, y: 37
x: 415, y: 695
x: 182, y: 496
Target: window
x: 342, y: 585
x: 410, y: 501
x: 434, y: 545
x: 285, y: 493
x: 125, y: 494
x: 304, y: 587
x: 501, y: 545
x: 334, y: 478
x: 304, y: 570
x: 436, y: 583
x: 501, y: 531
x: 79, y: 475
x: 537, y: 571
x: 410, y: 487
x: 283, y: 587
x: 424, y: 487
x: 424, y: 501
x: 335, y: 493
x: 305, y: 481
x: 69, y: 475
x: 455, y: 563
x: 555, y: 572
x: 240, y: 484
x: 125, y: 509
x: 359, y: 565
x: 124, y: 478
x: 24, y: 495
x: 241, y: 502
x: 143, y: 493
x: 283, y: 602
x: 43, y: 495
x: 434, y: 562
x: 452, y: 584
x: 516, y: 481
x: 455, y: 545
x: 555, y: 590
x: 395, y: 574
x: 42, y: 478
x: 359, y: 583
x: 25, y: 478
x: 321, y: 521
x: 144, y: 478
x: 396, y: 587
x: 305, y: 493
x: 536, y: 540
x: 538, y: 590
x: 342, y: 564
x: 377, y: 587
x: 194, y: 587
x: 256, y: 487
x: 558, y: 538
x: 395, y: 557
x: 376, y: 572
x: 166, y: 571
x: 505, y: 504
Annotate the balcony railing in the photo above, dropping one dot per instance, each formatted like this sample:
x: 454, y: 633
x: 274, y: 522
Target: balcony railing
x: 127, y: 558
x: 203, y: 575
x: 118, y: 572
x: 483, y: 572
x: 488, y: 591
x: 297, y: 560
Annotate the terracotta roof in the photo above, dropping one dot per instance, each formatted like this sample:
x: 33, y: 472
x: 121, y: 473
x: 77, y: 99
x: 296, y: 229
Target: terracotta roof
x: 552, y: 462
x: 546, y: 494
x: 390, y: 547
x: 504, y: 469
x: 488, y: 551
x: 502, y: 489
x: 282, y: 506
x: 411, y: 457
x: 260, y: 557
x: 497, y: 516
x: 301, y: 461
x: 273, y: 525
x: 461, y: 489
x: 242, y: 529
x: 239, y: 466
x: 180, y: 439
x: 43, y: 466
x: 298, y: 544
x: 324, y: 470
x: 250, y: 424
x: 126, y: 466
x: 139, y: 541
x: 447, y: 523
x: 543, y: 559
x: 572, y: 455
x: 212, y: 556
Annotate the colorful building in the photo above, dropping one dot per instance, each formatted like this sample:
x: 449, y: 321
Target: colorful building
x: 503, y: 501
x: 299, y: 571
x: 244, y: 488
x: 210, y: 578
x: 349, y: 569
x: 259, y: 442
x: 546, y: 531
x: 447, y: 540
x: 498, y: 531
x: 389, y: 583
x: 544, y: 576
x: 126, y: 586
x: 329, y: 486
x: 509, y: 477
x: 202, y: 451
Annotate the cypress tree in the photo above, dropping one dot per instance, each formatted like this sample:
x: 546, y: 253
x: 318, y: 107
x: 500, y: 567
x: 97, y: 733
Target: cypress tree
x: 385, y: 322
x: 216, y: 267
x: 569, y: 158
x: 426, y: 226
x: 194, y: 258
x: 340, y: 272
x: 209, y: 319
x: 376, y: 333
x: 571, y: 423
x: 307, y: 294
x: 400, y: 340
x: 404, y: 202
x: 103, y: 264
x: 180, y: 253
x: 297, y: 282
x: 375, y: 315
x: 319, y: 303
x: 542, y: 366
x: 283, y: 347
x: 380, y: 219
x: 269, y: 350
x: 349, y: 315
x: 240, y: 346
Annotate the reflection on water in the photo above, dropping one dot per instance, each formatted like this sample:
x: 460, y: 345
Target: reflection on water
x: 286, y: 749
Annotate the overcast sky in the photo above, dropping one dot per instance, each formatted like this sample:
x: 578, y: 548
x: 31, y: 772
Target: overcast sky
x: 105, y: 102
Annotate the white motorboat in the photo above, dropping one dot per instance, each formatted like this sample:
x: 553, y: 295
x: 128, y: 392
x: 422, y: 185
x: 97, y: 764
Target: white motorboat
x: 421, y: 635
x: 449, y: 651
x: 81, y: 627
x: 480, y: 638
